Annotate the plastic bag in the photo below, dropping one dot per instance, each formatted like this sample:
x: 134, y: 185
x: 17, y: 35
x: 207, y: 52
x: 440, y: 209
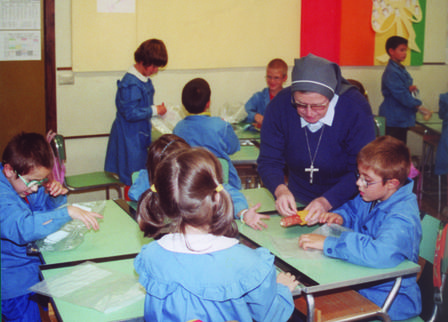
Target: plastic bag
x: 233, y: 112
x: 165, y: 123
x: 91, y: 285
x: 71, y: 235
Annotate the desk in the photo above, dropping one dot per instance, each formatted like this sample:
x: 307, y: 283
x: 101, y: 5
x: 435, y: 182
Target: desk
x: 317, y: 272
x: 243, y: 133
x: 248, y: 154
x: 264, y: 197
x: 66, y: 311
x: 433, y: 125
x: 119, y: 235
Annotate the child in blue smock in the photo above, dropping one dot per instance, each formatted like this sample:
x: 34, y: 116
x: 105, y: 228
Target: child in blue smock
x: 169, y: 143
x: 130, y: 135
x: 276, y: 76
x: 205, y: 274
x: 401, y: 101
x: 30, y: 209
x: 201, y: 129
x: 385, y: 221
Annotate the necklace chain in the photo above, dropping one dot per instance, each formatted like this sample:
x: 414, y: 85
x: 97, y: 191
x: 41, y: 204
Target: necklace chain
x: 312, y: 169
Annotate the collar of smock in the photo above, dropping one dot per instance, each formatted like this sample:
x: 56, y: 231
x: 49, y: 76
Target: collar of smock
x: 132, y: 70
x: 196, y: 243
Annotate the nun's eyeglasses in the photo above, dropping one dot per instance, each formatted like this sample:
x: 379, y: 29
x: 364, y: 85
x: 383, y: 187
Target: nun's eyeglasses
x: 313, y: 107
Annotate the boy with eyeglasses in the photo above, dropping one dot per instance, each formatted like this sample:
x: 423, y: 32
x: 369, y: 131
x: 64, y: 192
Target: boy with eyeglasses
x: 276, y: 76
x: 29, y: 210
x: 385, y: 221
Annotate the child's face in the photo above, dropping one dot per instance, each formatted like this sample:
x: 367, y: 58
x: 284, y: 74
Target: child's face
x: 399, y: 54
x: 149, y: 70
x: 36, y: 174
x: 371, y: 186
x: 275, y: 79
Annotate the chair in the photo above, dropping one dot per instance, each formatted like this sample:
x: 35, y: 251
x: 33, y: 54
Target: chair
x: 339, y: 306
x: 87, y: 181
x: 225, y: 170
x: 380, y: 125
x: 430, y: 143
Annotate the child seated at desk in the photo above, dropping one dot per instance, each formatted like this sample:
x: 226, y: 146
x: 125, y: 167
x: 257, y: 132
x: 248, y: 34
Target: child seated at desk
x: 276, y: 76
x: 205, y: 274
x: 385, y: 221
x: 170, y: 143
x: 29, y: 210
x: 201, y: 129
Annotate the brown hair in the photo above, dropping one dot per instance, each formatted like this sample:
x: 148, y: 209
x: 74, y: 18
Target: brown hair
x: 186, y: 194
x: 195, y: 95
x: 26, y: 151
x: 160, y: 149
x: 388, y: 157
x: 152, y: 52
x: 278, y: 63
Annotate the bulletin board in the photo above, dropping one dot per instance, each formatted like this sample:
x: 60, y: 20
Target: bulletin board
x: 197, y: 33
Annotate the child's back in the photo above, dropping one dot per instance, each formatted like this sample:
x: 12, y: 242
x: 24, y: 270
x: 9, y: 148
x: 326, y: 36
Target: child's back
x: 201, y: 129
x: 205, y: 273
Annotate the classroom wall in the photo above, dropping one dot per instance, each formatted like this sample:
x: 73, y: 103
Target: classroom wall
x: 229, y: 86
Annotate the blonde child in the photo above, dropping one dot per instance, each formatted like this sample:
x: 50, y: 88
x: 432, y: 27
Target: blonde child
x: 276, y: 76
x: 205, y: 273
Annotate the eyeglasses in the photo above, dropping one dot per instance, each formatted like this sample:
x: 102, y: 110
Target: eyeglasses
x: 303, y: 107
x: 32, y: 183
x: 365, y: 182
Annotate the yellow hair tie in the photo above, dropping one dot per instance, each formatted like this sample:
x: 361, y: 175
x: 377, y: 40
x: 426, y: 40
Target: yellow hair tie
x: 219, y: 188
x: 153, y: 188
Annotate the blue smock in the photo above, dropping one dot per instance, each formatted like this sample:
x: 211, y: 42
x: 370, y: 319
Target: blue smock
x: 383, y: 237
x: 142, y: 184
x: 257, y: 104
x: 130, y: 135
x: 22, y: 223
x: 442, y: 149
x: 237, y: 283
x: 214, y: 134
x: 399, y: 106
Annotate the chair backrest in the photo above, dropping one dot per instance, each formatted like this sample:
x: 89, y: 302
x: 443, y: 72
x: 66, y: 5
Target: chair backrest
x: 59, y: 145
x: 225, y: 169
x: 380, y: 125
x: 134, y: 176
x: 430, y: 229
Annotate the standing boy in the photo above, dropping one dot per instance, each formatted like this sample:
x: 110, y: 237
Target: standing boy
x: 401, y: 101
x: 201, y: 129
x: 29, y: 210
x: 385, y: 221
x: 276, y: 75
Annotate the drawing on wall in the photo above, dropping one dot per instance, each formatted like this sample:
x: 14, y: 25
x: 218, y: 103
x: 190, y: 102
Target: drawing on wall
x: 354, y: 33
x: 396, y: 17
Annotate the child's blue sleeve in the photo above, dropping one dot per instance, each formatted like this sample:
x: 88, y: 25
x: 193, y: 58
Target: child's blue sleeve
x: 232, y: 141
x: 399, y: 89
x: 131, y: 104
x: 239, y: 200
x: 140, y: 185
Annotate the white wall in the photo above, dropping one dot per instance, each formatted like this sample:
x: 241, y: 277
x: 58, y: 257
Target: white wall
x: 228, y: 86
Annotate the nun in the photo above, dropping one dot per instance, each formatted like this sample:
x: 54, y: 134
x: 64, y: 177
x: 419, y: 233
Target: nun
x: 311, y: 135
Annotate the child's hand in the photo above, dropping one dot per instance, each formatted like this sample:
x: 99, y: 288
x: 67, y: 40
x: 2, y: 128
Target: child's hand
x: 254, y: 219
x: 55, y: 188
x: 161, y: 109
x: 258, y: 119
x: 413, y: 88
x: 314, y: 241
x: 88, y: 218
x: 330, y: 218
x: 288, y: 280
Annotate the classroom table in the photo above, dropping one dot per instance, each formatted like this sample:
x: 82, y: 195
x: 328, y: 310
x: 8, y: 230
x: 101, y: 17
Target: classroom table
x: 433, y: 125
x: 245, y: 131
x: 119, y: 236
x: 67, y: 312
x: 315, y: 271
x: 248, y: 154
x: 265, y: 198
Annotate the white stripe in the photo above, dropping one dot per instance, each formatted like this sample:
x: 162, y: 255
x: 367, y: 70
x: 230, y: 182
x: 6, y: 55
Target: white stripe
x: 313, y: 82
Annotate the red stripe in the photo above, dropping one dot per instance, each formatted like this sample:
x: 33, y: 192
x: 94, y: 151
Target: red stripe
x: 321, y: 28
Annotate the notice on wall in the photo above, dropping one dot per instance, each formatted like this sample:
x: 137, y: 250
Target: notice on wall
x: 20, y: 30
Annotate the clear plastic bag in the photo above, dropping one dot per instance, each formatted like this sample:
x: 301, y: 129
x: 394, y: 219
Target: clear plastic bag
x: 71, y: 235
x: 165, y: 123
x: 233, y: 112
